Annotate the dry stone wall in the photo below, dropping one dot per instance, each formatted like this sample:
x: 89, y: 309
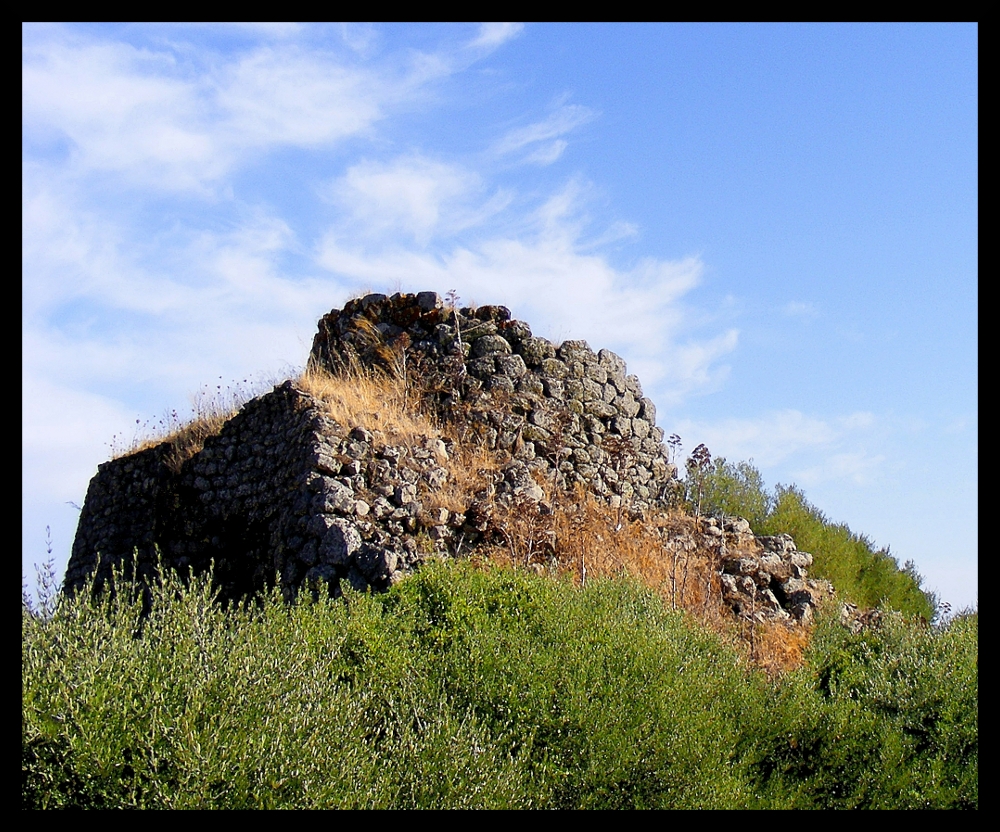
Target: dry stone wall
x: 281, y: 493
x: 564, y: 413
x: 284, y: 494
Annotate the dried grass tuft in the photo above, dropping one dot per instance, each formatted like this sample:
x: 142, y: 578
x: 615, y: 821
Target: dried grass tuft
x: 585, y: 539
x: 372, y: 400
x: 383, y: 401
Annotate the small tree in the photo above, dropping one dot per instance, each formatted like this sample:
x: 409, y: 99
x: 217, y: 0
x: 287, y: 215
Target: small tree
x: 736, y: 489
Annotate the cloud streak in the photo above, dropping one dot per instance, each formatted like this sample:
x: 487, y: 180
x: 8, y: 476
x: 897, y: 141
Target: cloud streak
x: 545, y: 138
x: 493, y: 35
x: 813, y: 450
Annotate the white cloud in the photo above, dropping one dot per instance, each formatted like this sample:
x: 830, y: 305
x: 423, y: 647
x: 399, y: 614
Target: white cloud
x: 547, y: 153
x: 276, y: 30
x: 276, y: 96
x: 858, y: 467
x: 692, y: 366
x: 414, y: 195
x: 546, y: 135
x: 107, y: 308
x: 811, y: 450
x: 769, y: 440
x: 360, y: 37
x: 493, y: 35
x: 122, y: 110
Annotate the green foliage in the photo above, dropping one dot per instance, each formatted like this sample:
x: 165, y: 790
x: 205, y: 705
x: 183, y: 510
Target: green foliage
x: 470, y: 688
x: 736, y: 489
x: 883, y: 718
x: 861, y: 573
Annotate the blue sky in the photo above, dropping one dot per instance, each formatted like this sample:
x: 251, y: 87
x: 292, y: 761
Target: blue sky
x: 775, y: 225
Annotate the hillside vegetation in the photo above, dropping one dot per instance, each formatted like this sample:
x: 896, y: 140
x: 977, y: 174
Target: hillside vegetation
x: 862, y: 574
x: 571, y: 659
x: 472, y: 687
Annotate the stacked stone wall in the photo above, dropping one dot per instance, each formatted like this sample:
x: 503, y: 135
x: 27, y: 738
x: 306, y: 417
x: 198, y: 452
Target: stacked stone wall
x: 284, y: 494
x: 567, y: 413
x: 118, y: 520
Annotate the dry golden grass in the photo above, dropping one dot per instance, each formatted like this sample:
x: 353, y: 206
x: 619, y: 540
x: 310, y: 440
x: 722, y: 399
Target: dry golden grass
x: 385, y: 402
x: 372, y: 400
x: 776, y: 647
x: 183, y: 441
x: 470, y: 470
x: 586, y: 539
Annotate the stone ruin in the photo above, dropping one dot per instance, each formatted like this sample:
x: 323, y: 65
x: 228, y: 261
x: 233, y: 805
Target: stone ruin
x: 572, y: 415
x: 284, y: 494
x: 765, y: 578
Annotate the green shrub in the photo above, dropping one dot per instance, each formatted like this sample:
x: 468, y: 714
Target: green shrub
x: 883, y: 718
x: 736, y: 489
x: 861, y: 573
x: 471, y: 688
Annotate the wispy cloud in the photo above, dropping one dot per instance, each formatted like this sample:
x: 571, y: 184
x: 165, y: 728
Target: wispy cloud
x: 493, y: 35
x: 359, y: 37
x: 160, y: 121
x: 812, y: 449
x: 419, y: 197
x: 121, y: 109
x: 544, y: 138
x: 277, y: 96
x: 858, y: 467
x: 800, y: 309
x: 547, y: 153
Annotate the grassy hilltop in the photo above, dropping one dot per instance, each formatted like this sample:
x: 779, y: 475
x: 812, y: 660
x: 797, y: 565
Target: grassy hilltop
x: 606, y: 679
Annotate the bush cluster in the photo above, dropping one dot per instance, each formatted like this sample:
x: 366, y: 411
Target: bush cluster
x: 466, y: 687
x: 863, y: 574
